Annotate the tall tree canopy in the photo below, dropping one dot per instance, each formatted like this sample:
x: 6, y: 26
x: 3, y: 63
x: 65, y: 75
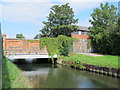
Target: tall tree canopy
x: 59, y: 22
x: 20, y: 36
x: 104, y: 30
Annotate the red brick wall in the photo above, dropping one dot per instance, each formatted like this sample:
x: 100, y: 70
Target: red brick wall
x: 16, y: 44
x: 81, y: 45
x: 10, y: 43
x: 80, y: 36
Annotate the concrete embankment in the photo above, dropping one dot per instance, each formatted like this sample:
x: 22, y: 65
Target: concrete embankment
x: 93, y: 68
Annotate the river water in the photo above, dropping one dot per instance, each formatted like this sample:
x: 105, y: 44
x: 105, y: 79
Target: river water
x: 46, y: 75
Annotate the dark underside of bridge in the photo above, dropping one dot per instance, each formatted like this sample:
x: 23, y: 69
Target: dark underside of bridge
x: 35, y: 61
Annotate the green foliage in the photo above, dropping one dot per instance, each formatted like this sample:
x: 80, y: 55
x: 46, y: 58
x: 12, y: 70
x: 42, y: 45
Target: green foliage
x: 65, y: 44
x: 60, y: 45
x: 60, y: 22
x: 82, y: 67
x: 77, y: 61
x: 88, y: 43
x: 104, y: 30
x: 51, y: 45
x: 31, y: 40
x: 20, y: 36
x: 12, y: 77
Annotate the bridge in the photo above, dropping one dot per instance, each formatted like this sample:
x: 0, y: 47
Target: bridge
x: 26, y: 53
x: 14, y: 48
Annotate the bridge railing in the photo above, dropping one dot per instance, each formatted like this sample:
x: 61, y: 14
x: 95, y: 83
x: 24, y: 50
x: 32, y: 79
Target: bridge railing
x: 24, y: 51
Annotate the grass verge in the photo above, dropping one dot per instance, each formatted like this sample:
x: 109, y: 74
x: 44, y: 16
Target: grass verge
x: 12, y: 76
x: 104, y: 61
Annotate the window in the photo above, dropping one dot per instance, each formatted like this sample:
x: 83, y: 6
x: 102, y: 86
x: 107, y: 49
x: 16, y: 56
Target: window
x: 83, y: 33
x: 75, y: 32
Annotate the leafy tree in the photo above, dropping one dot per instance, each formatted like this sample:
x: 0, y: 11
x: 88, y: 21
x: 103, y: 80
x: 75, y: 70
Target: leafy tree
x: 59, y: 22
x: 104, y: 30
x: 20, y: 36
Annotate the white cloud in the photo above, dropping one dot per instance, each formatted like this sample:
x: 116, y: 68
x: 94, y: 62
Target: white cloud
x: 85, y: 1
x: 0, y: 11
x: 14, y: 0
x: 26, y: 0
x: 59, y: 0
x: 35, y: 11
x: 25, y: 12
x: 78, y: 6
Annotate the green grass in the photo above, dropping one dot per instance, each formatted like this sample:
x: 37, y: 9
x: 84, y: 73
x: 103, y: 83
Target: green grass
x: 104, y: 61
x: 12, y: 76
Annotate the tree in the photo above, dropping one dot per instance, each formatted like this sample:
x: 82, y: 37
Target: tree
x: 104, y: 30
x: 60, y: 22
x: 20, y: 36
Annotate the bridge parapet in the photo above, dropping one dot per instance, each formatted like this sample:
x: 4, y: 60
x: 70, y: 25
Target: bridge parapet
x: 25, y: 51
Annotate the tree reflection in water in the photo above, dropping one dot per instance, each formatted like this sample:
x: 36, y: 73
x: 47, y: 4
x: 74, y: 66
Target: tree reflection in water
x: 58, y: 76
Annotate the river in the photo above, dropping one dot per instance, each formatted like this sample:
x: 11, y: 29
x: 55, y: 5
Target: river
x: 46, y: 75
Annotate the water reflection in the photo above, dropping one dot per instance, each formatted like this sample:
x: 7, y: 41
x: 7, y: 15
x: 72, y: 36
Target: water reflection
x: 51, y: 76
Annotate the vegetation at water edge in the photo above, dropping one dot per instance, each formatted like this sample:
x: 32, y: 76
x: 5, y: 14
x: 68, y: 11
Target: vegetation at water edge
x: 60, y: 45
x: 12, y: 76
x: 104, y: 61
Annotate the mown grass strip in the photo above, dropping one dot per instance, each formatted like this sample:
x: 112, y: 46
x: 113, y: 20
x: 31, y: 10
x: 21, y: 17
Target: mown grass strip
x: 104, y: 61
x: 12, y: 76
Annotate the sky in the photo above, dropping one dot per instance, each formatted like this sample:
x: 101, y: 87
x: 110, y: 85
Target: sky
x: 26, y: 16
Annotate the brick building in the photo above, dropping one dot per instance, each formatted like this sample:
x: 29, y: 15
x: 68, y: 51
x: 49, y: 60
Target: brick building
x: 81, y: 45
x: 81, y: 34
x: 13, y: 45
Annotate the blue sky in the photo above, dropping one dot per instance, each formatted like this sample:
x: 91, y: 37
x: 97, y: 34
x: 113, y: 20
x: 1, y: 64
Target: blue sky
x: 26, y: 16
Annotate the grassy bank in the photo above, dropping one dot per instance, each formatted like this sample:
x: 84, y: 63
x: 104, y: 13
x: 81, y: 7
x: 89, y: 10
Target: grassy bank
x: 104, y: 61
x: 12, y: 76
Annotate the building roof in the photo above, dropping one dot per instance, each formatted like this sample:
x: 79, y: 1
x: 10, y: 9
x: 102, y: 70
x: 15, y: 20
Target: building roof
x: 37, y: 36
x: 83, y: 28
